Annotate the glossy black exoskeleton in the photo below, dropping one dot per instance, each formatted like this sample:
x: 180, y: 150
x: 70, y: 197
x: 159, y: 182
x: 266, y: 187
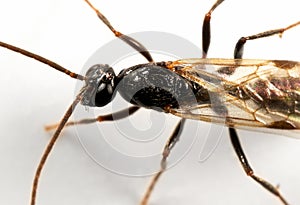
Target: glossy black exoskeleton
x: 149, y: 85
x: 154, y: 86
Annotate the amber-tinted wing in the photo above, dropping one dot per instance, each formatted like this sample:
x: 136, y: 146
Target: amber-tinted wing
x: 244, y: 93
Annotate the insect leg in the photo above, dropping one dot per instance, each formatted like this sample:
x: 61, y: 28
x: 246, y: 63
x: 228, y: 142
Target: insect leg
x: 249, y: 171
x: 206, y: 29
x: 102, y: 118
x: 127, y: 39
x: 239, y: 48
x: 173, y: 139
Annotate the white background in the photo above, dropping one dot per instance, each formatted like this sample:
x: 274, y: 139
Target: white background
x: 68, y: 32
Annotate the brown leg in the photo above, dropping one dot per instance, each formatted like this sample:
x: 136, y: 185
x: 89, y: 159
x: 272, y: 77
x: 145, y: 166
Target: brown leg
x: 102, y: 118
x: 206, y: 29
x: 173, y: 139
x: 249, y: 171
x: 239, y: 48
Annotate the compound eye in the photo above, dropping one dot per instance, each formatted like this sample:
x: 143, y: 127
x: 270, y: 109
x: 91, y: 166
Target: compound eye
x: 104, y: 94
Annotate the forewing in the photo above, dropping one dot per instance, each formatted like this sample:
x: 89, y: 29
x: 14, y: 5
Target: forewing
x: 236, y: 99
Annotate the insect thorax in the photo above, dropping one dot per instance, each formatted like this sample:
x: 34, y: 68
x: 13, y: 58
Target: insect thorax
x: 155, y: 87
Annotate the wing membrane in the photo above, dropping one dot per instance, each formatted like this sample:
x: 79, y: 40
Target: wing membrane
x: 244, y: 92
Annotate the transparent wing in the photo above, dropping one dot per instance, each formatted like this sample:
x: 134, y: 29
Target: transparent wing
x: 244, y: 93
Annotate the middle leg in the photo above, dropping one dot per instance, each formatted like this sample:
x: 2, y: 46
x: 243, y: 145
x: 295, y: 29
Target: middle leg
x: 173, y: 139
